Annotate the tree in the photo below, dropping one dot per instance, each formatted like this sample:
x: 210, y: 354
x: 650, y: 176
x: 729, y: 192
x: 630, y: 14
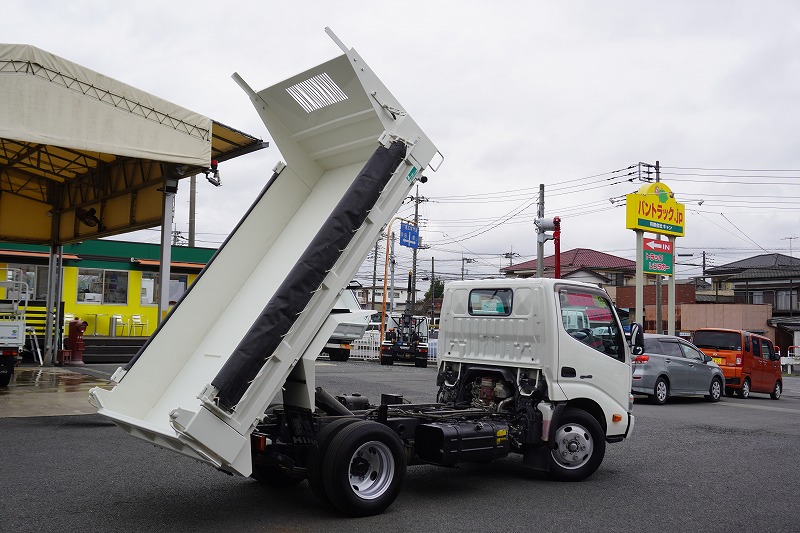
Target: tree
x: 438, y: 289
x: 424, y: 307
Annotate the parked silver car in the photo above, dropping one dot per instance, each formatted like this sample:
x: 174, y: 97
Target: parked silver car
x: 671, y: 366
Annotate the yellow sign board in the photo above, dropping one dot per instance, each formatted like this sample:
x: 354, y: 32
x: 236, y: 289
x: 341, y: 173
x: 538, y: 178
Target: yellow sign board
x: 652, y: 208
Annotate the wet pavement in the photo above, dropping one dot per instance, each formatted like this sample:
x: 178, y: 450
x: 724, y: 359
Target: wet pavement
x: 49, y: 391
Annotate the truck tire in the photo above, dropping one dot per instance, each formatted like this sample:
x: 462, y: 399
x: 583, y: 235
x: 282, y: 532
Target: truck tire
x: 421, y: 362
x: 6, y: 371
x: 317, y: 454
x: 363, y: 468
x: 387, y: 360
x: 580, y: 446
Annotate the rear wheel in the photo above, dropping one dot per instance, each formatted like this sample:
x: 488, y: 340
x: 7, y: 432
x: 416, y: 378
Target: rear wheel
x: 715, y: 390
x: 387, y: 360
x: 6, y: 370
x: 363, y: 468
x: 421, y: 362
x: 579, y: 446
x: 317, y: 455
x: 776, y: 391
x: 744, y: 391
x: 661, y: 391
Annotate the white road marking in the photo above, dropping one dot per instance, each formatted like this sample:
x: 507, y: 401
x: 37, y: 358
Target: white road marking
x: 763, y: 408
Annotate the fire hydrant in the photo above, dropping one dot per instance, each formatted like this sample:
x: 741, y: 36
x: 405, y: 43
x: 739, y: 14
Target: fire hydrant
x: 75, y: 342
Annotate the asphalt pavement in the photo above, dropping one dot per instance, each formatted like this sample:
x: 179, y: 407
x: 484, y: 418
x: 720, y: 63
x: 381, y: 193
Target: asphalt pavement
x: 690, y: 466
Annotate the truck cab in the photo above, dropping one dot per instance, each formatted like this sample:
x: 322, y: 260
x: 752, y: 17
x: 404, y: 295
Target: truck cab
x: 538, y: 337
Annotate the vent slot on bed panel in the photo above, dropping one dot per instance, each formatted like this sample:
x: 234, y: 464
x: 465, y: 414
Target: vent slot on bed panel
x: 316, y: 92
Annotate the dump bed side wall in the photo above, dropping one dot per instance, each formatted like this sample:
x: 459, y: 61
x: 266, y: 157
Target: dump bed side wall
x: 194, y: 343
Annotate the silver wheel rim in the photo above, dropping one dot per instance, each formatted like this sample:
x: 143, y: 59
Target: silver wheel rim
x: 716, y: 390
x: 371, y: 470
x: 661, y: 391
x: 746, y: 389
x: 777, y: 392
x: 574, y: 446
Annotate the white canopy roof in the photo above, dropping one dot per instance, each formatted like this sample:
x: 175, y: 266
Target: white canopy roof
x: 49, y: 100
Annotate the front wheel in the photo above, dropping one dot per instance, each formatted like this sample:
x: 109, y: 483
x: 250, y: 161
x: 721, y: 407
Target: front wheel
x: 776, y: 392
x: 715, y: 390
x: 579, y: 446
x: 364, y: 468
x: 744, y: 391
x: 387, y: 360
x: 421, y: 362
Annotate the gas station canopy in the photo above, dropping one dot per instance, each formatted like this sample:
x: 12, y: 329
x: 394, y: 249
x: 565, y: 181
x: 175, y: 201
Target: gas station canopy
x: 84, y: 156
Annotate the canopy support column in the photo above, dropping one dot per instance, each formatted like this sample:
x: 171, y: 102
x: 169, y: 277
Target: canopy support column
x: 170, y: 189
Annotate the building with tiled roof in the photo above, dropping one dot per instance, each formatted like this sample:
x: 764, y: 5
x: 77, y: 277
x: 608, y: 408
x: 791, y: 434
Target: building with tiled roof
x: 762, y: 279
x: 582, y: 264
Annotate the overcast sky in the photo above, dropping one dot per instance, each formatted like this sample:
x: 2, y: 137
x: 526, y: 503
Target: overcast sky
x: 568, y: 94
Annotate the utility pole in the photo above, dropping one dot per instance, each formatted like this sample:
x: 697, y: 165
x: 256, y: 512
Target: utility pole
x: 391, y: 288
x: 414, y: 253
x: 658, y: 276
x: 375, y: 270
x: 433, y: 289
x: 464, y: 260
x: 790, y: 239
x: 540, y: 243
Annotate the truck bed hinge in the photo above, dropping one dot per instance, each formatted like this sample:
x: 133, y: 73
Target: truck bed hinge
x: 391, y: 110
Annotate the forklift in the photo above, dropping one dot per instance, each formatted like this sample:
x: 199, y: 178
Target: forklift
x: 406, y: 336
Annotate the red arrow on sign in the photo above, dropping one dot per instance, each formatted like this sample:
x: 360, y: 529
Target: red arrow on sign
x: 661, y: 246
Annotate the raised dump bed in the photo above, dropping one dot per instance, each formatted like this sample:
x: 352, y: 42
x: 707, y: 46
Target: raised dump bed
x: 259, y: 314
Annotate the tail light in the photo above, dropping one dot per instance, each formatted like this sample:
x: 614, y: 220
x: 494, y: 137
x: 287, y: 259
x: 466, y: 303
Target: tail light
x: 739, y: 360
x: 641, y: 359
x: 9, y: 351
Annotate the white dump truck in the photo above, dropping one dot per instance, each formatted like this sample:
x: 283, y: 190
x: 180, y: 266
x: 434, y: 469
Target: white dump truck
x: 229, y: 377
x: 346, y: 333
x: 13, y: 304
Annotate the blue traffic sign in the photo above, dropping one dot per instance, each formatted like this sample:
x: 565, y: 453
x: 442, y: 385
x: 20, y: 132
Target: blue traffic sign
x: 409, y: 235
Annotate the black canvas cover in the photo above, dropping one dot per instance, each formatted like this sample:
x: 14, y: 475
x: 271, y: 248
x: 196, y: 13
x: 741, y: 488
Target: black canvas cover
x: 293, y: 295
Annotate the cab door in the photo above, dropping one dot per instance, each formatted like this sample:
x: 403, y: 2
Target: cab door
x: 771, y: 364
x: 594, y: 357
x: 700, y: 373
x: 677, y: 366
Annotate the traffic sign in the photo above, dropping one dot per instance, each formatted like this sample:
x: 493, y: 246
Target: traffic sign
x: 657, y: 257
x: 409, y: 235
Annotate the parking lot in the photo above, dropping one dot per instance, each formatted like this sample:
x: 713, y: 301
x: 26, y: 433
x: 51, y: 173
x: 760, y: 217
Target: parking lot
x: 690, y: 466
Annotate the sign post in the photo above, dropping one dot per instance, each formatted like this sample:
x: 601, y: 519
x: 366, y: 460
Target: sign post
x: 653, y: 208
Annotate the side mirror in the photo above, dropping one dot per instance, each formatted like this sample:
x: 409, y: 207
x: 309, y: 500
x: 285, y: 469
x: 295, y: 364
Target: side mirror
x: 637, y: 339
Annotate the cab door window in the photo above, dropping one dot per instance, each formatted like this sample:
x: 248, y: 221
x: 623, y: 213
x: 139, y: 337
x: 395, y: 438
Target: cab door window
x: 588, y: 317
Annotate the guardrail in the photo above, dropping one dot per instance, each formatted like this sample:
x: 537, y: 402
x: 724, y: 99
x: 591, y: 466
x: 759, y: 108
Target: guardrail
x: 368, y: 349
x: 788, y: 364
